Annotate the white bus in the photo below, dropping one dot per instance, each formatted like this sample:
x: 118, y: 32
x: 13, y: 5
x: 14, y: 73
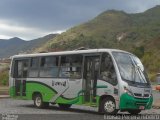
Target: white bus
x: 109, y: 79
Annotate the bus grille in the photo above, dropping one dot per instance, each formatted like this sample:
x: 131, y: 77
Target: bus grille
x: 140, y: 95
x: 141, y: 103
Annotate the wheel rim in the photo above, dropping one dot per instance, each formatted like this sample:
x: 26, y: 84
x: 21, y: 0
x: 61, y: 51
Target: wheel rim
x: 38, y: 101
x: 109, y: 106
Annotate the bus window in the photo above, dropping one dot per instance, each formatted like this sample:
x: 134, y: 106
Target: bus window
x: 49, y: 66
x: 71, y: 66
x: 33, y: 71
x: 21, y: 69
x: 107, y: 72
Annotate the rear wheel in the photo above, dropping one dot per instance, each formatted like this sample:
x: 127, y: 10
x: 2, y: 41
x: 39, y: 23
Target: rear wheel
x: 134, y: 112
x: 38, y: 102
x: 108, y: 106
x: 64, y: 106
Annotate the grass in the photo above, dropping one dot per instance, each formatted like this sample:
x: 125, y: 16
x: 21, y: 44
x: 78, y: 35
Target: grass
x: 4, y: 78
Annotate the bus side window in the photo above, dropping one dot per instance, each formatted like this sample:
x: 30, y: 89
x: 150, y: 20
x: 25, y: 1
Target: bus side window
x: 21, y: 69
x: 71, y: 66
x: 49, y: 66
x: 107, y: 72
x: 33, y: 71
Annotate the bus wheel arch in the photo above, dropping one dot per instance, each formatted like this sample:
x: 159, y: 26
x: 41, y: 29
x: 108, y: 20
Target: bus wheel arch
x: 34, y: 94
x: 38, y: 100
x: 107, y: 100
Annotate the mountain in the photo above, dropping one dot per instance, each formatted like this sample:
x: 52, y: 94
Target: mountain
x: 138, y: 33
x: 10, y: 47
x: 16, y: 45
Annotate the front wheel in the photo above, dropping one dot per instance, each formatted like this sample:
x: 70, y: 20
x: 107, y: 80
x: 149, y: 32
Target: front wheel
x: 64, y: 106
x: 38, y: 102
x: 134, y: 112
x: 108, y: 106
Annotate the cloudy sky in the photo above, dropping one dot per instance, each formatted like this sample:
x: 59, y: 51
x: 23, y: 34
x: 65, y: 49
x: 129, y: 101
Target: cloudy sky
x: 29, y: 19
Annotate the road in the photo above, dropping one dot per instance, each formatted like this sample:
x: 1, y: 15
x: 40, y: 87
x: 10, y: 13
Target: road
x: 25, y: 110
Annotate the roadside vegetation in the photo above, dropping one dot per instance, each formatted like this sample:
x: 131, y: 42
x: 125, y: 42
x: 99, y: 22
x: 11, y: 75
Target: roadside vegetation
x: 4, y: 77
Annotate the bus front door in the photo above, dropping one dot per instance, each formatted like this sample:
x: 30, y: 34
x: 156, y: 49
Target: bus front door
x: 91, y: 68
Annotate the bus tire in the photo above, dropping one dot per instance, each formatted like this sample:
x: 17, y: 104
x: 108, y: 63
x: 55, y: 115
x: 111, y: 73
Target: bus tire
x: 134, y: 112
x: 108, y: 106
x: 38, y: 102
x: 64, y: 106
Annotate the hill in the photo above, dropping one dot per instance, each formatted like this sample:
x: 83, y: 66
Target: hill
x: 138, y: 33
x: 115, y: 29
x: 16, y: 45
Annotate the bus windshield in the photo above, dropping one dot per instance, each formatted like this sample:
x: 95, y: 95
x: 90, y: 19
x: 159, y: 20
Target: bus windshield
x: 131, y: 68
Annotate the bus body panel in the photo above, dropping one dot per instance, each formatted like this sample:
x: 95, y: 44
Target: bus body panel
x: 72, y: 91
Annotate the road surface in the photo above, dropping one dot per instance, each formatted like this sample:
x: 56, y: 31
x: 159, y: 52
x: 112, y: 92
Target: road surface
x: 25, y: 111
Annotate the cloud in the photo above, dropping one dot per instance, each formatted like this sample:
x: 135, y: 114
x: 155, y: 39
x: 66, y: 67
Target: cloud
x: 24, y: 32
x: 33, y: 18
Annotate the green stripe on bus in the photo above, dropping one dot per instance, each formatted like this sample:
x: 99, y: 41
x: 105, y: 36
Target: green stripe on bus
x: 101, y: 86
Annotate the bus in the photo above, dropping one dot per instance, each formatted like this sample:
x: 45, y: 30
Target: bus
x: 109, y: 79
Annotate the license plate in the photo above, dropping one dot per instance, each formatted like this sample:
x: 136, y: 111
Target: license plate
x: 141, y: 107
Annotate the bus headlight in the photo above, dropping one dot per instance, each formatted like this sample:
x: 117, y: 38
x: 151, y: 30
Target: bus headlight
x: 126, y: 90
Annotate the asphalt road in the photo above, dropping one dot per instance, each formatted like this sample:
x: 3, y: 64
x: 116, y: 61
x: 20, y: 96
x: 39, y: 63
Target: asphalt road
x: 26, y: 111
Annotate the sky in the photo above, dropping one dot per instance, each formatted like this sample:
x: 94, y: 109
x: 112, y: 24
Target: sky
x: 30, y: 19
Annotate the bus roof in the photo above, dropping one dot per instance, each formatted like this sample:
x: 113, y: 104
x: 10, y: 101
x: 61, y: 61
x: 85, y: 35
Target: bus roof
x: 67, y: 52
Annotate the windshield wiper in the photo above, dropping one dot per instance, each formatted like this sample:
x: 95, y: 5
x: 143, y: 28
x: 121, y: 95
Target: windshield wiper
x: 139, y: 71
x: 133, y: 73
x: 142, y: 75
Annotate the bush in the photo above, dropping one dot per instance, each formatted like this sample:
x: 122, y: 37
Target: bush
x: 152, y: 77
x: 4, y: 78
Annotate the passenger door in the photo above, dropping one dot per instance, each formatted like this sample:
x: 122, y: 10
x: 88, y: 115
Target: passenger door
x: 90, y: 74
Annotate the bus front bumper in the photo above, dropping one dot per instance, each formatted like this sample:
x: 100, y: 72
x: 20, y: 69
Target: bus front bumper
x: 130, y: 102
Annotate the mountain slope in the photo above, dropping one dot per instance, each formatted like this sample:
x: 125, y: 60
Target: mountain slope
x: 111, y: 29
x: 10, y: 47
x: 136, y: 33
x: 103, y: 29
x: 16, y: 45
